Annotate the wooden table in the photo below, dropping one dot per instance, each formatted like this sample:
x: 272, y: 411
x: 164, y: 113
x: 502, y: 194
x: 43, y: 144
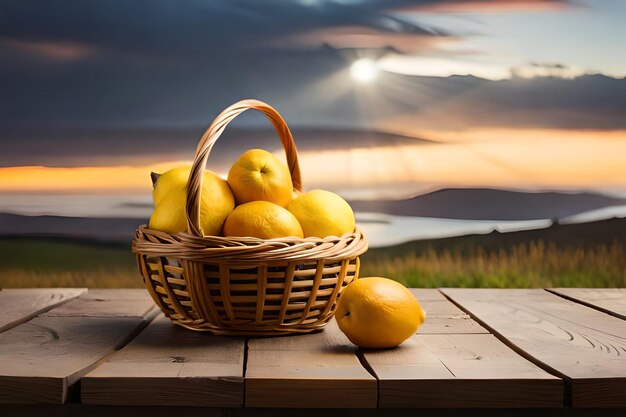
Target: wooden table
x: 531, y: 351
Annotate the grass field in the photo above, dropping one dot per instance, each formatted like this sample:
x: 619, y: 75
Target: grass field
x: 545, y: 258
x: 43, y: 262
x: 535, y: 264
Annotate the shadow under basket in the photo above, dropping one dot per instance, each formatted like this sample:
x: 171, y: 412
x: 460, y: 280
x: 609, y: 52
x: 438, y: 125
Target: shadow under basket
x: 245, y: 285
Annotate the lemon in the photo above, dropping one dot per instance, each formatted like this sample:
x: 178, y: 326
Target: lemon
x: 378, y: 313
x: 259, y: 175
x: 261, y: 219
x: 169, y: 215
x: 170, y: 180
x: 322, y: 213
x: 170, y: 196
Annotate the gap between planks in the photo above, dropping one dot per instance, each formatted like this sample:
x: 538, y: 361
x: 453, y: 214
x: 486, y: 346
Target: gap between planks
x: 605, y: 306
x: 169, y: 365
x: 581, y: 345
x: 37, y: 353
x: 19, y: 305
x: 567, y: 398
x: 458, y: 364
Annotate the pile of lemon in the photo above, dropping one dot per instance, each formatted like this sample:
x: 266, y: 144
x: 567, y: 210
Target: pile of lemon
x: 257, y: 200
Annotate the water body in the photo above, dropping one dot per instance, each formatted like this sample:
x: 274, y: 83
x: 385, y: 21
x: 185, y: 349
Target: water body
x: 387, y: 230
x: 381, y: 229
x: 78, y: 205
x: 595, y: 215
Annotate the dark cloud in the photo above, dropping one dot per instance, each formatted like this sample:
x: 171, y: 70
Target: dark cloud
x: 102, y: 63
x: 165, y: 64
x: 587, y: 102
x: 195, y: 28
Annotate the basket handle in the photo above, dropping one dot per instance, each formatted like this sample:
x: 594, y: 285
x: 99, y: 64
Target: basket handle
x: 208, y: 139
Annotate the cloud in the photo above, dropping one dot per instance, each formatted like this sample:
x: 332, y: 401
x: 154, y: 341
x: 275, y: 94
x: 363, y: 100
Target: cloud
x: 535, y: 69
x: 197, y: 30
x: 364, y: 38
x: 434, y: 66
x: 159, y: 64
x: 167, y: 28
x: 54, y: 50
x: 491, y: 6
x: 464, y: 102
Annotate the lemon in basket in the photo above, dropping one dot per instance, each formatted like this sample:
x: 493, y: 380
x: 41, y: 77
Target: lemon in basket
x: 170, y: 181
x: 378, y: 313
x: 261, y: 219
x: 259, y: 175
x: 170, y: 198
x: 322, y: 213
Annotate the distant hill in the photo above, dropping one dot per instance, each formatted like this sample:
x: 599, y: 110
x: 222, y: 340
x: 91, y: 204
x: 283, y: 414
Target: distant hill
x: 489, y: 204
x: 466, y: 204
x: 582, y: 235
x: 97, y: 147
x: 101, y: 229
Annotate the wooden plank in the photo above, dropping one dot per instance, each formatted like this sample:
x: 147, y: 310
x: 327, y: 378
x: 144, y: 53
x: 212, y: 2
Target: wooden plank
x: 20, y: 305
x: 451, y: 325
x: 107, y: 303
x: 169, y: 365
x: 442, y: 316
x: 585, y: 346
x: 447, y: 366
x: 460, y: 370
x: 83, y: 410
x: 42, y: 359
x: 427, y: 294
x: 609, y: 300
x: 318, y: 370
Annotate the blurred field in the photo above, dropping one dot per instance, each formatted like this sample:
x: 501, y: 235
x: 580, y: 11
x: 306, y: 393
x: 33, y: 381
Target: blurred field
x: 535, y: 264
x: 46, y: 262
x: 573, y: 256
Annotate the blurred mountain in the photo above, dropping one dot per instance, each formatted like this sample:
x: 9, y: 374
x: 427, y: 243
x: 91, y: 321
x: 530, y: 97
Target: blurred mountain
x: 582, y: 235
x: 490, y: 204
x: 102, y: 229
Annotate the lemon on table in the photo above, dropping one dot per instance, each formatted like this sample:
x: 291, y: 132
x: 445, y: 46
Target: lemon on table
x: 170, y: 196
x: 378, y: 313
x: 259, y: 175
x: 322, y: 213
x: 261, y: 219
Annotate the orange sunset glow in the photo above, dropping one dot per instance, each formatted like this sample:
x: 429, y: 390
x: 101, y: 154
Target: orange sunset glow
x: 532, y: 159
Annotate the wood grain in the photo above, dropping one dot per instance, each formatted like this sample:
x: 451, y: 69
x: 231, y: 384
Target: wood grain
x: 442, y: 316
x: 20, y: 305
x: 584, y: 345
x: 318, y: 370
x: 42, y: 359
x: 107, y: 303
x: 169, y: 365
x: 459, y: 370
x: 609, y: 300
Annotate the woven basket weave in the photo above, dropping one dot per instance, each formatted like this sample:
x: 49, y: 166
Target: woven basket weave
x: 243, y: 285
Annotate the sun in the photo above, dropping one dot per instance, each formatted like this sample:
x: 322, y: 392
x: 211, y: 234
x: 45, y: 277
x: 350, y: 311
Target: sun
x: 364, y: 70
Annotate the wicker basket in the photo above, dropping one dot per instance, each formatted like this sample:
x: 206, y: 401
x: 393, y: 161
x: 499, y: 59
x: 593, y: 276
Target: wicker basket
x: 245, y: 286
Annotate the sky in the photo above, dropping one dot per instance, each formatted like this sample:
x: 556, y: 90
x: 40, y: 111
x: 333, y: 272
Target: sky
x: 516, y: 94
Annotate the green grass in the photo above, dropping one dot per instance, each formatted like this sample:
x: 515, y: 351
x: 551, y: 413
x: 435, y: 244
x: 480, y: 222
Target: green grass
x: 457, y: 262
x: 525, y: 265
x: 39, y: 262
